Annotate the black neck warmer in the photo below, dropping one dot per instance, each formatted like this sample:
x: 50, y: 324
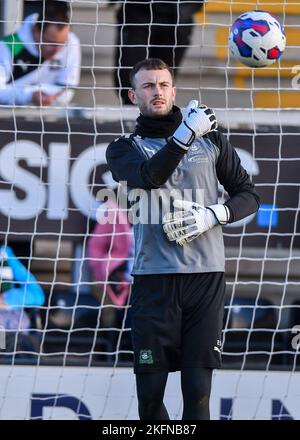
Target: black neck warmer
x: 162, y: 127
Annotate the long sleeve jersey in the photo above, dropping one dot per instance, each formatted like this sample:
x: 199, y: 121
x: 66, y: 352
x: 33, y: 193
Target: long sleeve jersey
x: 150, y: 162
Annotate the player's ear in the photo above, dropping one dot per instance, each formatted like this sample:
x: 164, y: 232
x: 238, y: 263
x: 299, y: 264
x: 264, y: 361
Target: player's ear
x: 174, y: 92
x: 132, y: 96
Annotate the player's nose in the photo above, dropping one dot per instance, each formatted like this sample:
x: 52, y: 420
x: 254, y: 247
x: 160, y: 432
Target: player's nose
x: 158, y: 91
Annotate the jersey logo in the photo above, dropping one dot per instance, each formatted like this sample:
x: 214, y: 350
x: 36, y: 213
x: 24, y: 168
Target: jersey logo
x: 149, y: 150
x: 198, y: 158
x: 194, y: 147
x: 196, y: 154
x: 146, y: 357
x: 218, y: 346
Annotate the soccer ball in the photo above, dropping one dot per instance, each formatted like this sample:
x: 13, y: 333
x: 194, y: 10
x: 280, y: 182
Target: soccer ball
x: 257, y: 39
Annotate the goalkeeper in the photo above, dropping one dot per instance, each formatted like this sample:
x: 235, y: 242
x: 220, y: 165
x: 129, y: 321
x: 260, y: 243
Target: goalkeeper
x: 179, y: 285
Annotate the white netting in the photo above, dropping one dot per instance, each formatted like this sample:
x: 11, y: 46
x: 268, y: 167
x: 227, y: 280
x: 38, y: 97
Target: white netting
x: 52, y: 163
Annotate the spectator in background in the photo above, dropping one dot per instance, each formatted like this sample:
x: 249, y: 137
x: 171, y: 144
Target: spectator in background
x: 40, y: 62
x: 19, y: 289
x: 151, y: 30
x: 109, y: 249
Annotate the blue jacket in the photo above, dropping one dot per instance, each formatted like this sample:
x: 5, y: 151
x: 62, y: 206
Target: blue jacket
x: 26, y: 292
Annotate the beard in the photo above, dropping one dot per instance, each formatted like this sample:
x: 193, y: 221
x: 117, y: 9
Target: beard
x: 147, y: 109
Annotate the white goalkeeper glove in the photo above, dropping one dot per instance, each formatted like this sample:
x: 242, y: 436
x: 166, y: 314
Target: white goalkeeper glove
x: 197, y: 121
x: 192, y: 220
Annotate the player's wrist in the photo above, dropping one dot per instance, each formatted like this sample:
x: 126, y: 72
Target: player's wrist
x: 220, y: 212
x: 184, y: 136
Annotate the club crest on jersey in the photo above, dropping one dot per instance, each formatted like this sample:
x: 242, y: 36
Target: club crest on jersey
x: 146, y: 357
x: 194, y: 147
x: 196, y: 154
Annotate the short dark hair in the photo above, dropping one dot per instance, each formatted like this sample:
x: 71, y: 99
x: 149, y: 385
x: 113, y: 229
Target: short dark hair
x: 149, y: 64
x: 53, y: 12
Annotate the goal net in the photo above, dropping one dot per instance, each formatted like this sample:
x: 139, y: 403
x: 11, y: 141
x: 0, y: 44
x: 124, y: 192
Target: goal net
x: 52, y: 167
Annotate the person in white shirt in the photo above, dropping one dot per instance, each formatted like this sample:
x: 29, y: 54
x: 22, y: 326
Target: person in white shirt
x: 40, y: 62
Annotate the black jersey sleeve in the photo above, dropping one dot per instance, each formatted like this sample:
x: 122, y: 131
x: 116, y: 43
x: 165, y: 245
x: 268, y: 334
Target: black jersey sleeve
x: 127, y: 163
x: 243, y: 198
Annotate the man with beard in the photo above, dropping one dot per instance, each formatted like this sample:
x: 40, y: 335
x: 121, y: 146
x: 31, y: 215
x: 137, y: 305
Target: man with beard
x: 179, y: 285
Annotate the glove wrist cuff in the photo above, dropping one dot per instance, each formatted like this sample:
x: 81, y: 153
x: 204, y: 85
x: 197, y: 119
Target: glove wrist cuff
x: 221, y: 213
x: 184, y: 136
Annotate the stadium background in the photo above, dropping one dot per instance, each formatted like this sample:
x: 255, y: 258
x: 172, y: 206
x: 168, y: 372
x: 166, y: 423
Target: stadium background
x: 78, y: 371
